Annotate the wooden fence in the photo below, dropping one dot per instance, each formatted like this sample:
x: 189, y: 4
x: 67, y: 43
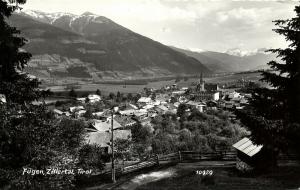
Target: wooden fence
x: 182, y: 156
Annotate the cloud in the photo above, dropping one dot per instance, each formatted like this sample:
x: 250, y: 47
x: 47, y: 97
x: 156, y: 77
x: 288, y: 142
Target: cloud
x: 243, y: 18
x: 202, y: 24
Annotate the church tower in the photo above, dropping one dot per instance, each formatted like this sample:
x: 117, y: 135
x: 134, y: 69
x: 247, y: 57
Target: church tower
x: 201, y: 83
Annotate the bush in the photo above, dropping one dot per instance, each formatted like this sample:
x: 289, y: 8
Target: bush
x: 91, y: 157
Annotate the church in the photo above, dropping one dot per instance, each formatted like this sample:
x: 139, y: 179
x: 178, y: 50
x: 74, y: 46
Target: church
x: 204, y: 91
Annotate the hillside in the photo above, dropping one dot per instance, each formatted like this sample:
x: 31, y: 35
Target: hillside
x: 94, y: 47
x: 223, y: 62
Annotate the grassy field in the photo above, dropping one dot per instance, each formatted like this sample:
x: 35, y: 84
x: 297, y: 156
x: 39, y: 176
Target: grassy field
x: 110, y: 87
x: 185, y: 178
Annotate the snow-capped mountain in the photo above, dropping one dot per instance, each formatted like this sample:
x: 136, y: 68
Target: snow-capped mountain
x: 44, y: 17
x: 232, y: 61
x: 242, y: 53
x: 86, y: 23
x: 92, y: 46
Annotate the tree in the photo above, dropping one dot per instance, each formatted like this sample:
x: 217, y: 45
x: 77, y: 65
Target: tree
x: 153, y: 96
x: 273, y: 114
x: 119, y: 97
x: 111, y: 96
x: 137, y: 97
x: 91, y: 157
x: 88, y: 114
x: 30, y: 135
x: 147, y: 91
x: 72, y: 93
x: 17, y: 87
x: 122, y: 148
x: 98, y: 92
x: 173, y: 100
x: 181, y: 110
x: 129, y: 97
x: 34, y: 139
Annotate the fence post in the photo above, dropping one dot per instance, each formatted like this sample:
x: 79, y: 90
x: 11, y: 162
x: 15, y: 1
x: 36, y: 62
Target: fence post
x: 157, y: 159
x: 179, y: 154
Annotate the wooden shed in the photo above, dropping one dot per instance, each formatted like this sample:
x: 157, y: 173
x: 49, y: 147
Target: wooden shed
x: 249, y: 155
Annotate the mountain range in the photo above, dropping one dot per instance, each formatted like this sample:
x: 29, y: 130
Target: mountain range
x: 94, y: 47
x: 231, y: 61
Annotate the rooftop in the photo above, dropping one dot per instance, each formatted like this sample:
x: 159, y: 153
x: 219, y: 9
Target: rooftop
x: 246, y: 146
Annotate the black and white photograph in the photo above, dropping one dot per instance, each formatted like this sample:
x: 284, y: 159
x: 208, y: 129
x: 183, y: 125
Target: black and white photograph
x: 149, y: 94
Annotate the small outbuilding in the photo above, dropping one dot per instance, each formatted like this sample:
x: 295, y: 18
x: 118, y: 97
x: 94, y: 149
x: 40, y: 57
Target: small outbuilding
x: 249, y: 155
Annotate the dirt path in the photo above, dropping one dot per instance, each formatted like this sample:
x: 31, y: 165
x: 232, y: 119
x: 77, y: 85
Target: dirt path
x: 147, y: 178
x: 132, y: 182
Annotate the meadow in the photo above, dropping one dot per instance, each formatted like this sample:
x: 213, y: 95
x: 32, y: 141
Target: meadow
x: 135, y: 87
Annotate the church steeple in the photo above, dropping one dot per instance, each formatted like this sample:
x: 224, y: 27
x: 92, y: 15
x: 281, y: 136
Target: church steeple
x: 201, y: 83
x: 201, y: 78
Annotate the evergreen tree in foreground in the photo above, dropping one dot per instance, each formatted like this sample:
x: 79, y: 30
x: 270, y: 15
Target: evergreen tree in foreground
x: 30, y: 136
x: 16, y: 86
x: 274, y: 113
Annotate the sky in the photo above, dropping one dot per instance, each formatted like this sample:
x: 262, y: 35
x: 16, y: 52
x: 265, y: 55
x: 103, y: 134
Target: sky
x: 214, y: 25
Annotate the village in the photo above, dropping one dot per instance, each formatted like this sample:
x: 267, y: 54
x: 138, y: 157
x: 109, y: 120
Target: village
x: 123, y: 112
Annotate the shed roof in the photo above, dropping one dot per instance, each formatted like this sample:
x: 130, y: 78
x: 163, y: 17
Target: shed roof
x: 246, y: 146
x: 102, y: 138
x: 103, y: 126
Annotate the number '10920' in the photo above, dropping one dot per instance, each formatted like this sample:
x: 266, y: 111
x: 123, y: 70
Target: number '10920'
x: 204, y: 172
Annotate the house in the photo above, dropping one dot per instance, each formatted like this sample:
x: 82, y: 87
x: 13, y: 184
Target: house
x: 161, y: 109
x: 249, y: 155
x: 105, y: 125
x: 129, y: 112
x: 59, y: 113
x: 141, y: 113
x: 125, y: 121
x: 81, y: 100
x: 176, y: 104
x: 131, y: 106
x: 205, y: 96
x: 244, y: 102
x: 147, y: 107
x: 80, y: 113
x: 98, y: 114
x: 103, y: 138
x: 2, y: 98
x: 174, y: 86
x: 234, y: 95
x: 76, y: 108
x: 198, y: 105
x: 180, y: 92
x: 163, y: 98
x: 184, y: 88
x: 93, y: 98
x: 144, y: 100
x: 156, y: 103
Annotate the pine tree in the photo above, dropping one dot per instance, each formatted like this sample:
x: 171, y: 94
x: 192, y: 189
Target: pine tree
x: 273, y: 114
x: 15, y: 85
